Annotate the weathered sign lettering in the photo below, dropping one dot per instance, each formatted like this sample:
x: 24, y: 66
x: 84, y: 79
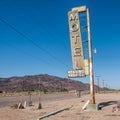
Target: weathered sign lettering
x: 76, y: 41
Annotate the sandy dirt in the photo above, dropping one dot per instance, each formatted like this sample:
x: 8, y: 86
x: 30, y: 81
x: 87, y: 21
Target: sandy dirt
x: 74, y: 113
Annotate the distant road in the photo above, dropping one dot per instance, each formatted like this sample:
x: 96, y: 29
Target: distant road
x: 6, y: 101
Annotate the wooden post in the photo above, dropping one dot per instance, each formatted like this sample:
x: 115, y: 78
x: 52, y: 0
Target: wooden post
x: 39, y: 105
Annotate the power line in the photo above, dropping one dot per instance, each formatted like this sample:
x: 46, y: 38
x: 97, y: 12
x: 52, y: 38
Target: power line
x: 28, y: 54
x: 27, y: 38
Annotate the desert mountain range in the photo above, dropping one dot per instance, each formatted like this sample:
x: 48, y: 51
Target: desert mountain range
x: 42, y: 81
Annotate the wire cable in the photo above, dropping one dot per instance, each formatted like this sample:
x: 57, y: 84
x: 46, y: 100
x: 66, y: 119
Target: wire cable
x: 28, y: 54
x: 27, y: 38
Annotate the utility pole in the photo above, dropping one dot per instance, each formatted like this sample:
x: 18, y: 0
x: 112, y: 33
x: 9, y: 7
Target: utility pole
x: 106, y: 87
x: 39, y: 105
x: 98, y: 83
x: 103, y: 86
x: 22, y: 90
x: 92, y: 91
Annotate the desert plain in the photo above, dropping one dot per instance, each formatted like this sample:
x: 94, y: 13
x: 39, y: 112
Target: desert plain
x: 55, y: 102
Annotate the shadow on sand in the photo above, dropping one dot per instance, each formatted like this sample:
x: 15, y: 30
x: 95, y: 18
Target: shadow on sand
x: 105, y: 104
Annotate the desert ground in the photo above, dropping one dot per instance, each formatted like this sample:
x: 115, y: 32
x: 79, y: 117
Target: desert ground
x: 69, y: 100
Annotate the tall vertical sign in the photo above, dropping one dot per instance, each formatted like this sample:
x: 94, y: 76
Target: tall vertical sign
x: 76, y: 41
x: 79, y: 63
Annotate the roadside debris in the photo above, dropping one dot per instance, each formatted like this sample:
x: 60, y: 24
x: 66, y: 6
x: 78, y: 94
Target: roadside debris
x: 53, y: 113
x: 117, y: 107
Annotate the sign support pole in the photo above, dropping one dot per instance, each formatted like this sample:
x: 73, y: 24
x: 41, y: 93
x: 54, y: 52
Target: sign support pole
x: 92, y: 92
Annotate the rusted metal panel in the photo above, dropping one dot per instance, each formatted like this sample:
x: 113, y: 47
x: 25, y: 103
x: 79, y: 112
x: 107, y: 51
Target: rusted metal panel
x: 76, y: 73
x: 76, y: 40
x: 86, y: 62
x: 80, y: 9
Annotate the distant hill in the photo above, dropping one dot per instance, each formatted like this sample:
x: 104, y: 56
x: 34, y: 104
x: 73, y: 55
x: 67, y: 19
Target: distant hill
x: 42, y: 81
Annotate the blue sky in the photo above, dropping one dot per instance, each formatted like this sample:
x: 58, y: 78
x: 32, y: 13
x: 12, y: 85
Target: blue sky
x: 46, y: 23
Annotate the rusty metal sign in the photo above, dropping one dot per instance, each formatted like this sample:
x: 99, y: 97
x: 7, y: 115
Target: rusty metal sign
x: 76, y: 40
x: 76, y: 73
